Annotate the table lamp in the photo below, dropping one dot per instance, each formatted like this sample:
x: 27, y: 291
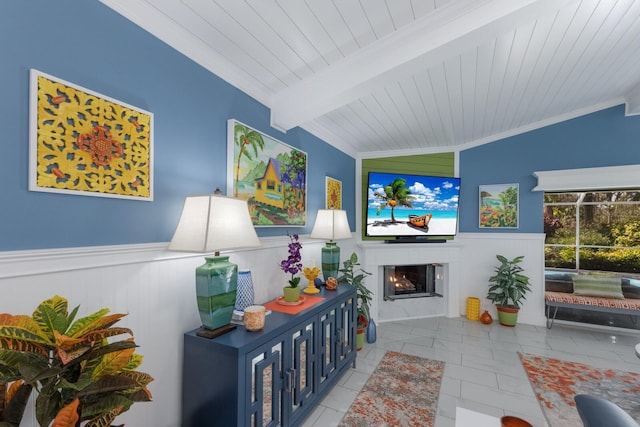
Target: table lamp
x: 331, y: 224
x: 213, y: 223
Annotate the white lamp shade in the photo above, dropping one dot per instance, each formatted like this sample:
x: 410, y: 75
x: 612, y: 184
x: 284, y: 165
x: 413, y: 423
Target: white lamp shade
x: 212, y: 223
x: 331, y: 224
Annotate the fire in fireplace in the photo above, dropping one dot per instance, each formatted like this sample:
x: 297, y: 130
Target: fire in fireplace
x: 409, y: 281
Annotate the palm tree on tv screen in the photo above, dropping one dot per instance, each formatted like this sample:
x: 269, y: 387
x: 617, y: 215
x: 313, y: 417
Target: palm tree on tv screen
x: 393, y: 195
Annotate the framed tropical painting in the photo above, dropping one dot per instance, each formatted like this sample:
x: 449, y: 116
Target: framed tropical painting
x: 333, y: 193
x: 269, y: 174
x: 498, y: 206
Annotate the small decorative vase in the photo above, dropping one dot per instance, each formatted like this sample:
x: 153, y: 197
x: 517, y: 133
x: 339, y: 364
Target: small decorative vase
x: 486, y: 318
x: 371, y: 332
x: 244, y: 296
x: 291, y: 294
x: 473, y: 308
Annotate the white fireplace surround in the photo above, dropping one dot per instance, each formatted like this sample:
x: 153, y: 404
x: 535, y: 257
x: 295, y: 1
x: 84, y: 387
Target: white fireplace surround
x: 376, y: 255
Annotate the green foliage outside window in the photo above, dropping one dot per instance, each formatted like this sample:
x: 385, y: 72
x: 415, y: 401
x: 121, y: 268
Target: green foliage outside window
x: 602, y: 226
x: 628, y: 234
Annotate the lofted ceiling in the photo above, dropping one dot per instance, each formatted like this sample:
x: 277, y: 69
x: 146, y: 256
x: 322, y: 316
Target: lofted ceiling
x: 374, y: 76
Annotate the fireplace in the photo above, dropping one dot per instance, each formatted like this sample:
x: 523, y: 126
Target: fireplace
x: 446, y: 259
x: 410, y: 281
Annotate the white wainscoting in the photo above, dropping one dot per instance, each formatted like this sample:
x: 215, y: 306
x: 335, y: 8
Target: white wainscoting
x: 156, y: 288
x: 479, y: 260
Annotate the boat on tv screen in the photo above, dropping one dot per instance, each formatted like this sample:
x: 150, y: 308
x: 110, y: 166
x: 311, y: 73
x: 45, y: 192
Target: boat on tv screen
x: 411, y: 205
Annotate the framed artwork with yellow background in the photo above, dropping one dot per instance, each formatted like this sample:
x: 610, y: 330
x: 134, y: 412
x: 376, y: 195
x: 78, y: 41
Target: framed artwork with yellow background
x: 85, y: 143
x: 333, y: 191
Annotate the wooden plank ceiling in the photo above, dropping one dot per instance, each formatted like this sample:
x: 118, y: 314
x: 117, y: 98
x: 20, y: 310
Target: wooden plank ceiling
x: 405, y: 76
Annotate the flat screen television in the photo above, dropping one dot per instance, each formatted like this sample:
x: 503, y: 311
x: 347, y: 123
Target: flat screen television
x: 412, y: 208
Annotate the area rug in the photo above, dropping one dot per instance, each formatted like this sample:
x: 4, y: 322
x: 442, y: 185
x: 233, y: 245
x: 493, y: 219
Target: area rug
x: 555, y: 383
x: 402, y: 391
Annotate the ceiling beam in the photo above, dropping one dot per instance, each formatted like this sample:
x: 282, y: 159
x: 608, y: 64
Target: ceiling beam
x: 457, y: 26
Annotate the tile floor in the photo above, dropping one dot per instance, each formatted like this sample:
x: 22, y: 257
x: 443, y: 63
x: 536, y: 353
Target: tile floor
x: 482, y: 370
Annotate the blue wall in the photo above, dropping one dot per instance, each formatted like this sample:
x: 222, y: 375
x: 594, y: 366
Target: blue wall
x: 86, y: 43
x: 604, y: 138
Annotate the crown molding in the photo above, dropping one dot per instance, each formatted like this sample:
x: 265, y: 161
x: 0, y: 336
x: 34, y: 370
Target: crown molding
x: 602, y: 178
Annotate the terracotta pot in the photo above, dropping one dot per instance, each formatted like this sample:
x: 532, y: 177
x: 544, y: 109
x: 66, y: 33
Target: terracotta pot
x: 486, y: 318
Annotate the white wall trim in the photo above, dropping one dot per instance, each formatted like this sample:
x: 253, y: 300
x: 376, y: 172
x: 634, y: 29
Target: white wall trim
x: 589, y: 178
x: 45, y: 261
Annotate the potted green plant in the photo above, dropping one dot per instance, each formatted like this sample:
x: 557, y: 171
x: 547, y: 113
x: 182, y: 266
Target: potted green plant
x: 507, y: 289
x: 352, y: 274
x: 292, y: 265
x: 80, y: 373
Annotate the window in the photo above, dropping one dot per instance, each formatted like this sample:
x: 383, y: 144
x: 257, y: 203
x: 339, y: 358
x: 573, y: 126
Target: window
x: 593, y: 230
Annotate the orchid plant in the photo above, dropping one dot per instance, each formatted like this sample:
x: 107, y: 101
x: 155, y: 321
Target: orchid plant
x: 292, y: 264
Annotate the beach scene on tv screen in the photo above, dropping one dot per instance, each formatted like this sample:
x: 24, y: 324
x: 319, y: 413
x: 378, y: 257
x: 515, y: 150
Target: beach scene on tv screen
x: 411, y: 205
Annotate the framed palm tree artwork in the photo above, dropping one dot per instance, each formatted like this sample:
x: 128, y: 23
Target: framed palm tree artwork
x: 269, y: 174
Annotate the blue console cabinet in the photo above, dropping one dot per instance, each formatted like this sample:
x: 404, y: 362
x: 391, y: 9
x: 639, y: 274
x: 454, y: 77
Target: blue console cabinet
x: 273, y: 377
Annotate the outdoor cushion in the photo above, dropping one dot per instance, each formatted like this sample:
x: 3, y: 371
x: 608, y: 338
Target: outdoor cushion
x: 604, y: 286
x: 566, y: 298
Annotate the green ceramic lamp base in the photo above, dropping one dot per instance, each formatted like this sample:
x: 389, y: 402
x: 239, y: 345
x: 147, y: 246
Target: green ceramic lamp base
x: 330, y: 260
x: 216, y: 287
